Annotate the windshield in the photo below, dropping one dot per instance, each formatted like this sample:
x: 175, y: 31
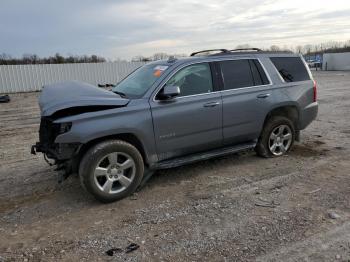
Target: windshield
x: 138, y: 82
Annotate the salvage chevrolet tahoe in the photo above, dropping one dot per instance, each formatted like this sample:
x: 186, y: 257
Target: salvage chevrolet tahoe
x: 170, y: 113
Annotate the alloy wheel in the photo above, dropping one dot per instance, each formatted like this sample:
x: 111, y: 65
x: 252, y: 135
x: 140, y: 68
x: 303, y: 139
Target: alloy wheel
x: 280, y: 140
x: 114, y: 172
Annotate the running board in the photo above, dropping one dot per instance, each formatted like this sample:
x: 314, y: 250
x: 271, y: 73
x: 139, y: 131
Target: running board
x: 175, y: 162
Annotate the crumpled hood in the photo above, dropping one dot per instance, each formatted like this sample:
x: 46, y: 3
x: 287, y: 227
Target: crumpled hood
x: 70, y: 94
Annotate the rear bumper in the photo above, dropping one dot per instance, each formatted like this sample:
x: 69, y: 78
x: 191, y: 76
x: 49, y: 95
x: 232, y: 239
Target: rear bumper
x: 307, y: 115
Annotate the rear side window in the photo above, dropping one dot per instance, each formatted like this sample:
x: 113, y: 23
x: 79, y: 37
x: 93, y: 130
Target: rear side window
x: 236, y: 74
x: 291, y: 69
x: 242, y: 73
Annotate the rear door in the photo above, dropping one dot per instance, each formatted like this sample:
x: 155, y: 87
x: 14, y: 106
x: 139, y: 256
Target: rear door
x: 191, y: 122
x: 246, y: 99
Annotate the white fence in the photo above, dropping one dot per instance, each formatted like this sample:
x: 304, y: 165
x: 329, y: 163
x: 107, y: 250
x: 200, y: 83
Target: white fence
x: 26, y: 78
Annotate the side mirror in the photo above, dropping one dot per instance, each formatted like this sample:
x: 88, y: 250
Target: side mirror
x: 169, y: 92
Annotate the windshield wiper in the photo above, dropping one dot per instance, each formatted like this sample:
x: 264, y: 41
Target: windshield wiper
x: 116, y: 92
x: 120, y: 93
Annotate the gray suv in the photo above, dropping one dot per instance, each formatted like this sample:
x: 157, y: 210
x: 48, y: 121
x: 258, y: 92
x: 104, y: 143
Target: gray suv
x: 170, y: 113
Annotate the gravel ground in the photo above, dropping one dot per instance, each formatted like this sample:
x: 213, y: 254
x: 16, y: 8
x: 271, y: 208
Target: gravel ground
x: 235, y: 208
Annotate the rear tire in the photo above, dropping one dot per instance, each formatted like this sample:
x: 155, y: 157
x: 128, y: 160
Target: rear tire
x: 277, y: 137
x: 111, y: 170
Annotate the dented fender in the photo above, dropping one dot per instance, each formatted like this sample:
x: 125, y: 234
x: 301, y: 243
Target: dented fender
x: 135, y: 119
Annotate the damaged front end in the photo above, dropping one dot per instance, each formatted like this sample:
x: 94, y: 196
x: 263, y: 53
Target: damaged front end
x: 47, y: 134
x: 61, y: 155
x: 64, y: 100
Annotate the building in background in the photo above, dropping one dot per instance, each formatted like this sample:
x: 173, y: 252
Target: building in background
x: 336, y: 61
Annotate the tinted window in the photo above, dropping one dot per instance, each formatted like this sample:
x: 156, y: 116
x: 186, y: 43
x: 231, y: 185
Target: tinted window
x: 291, y: 69
x: 236, y: 74
x: 193, y: 79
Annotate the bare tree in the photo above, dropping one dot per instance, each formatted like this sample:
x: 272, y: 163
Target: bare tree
x: 243, y: 46
x: 299, y: 49
x: 57, y: 59
x: 140, y: 58
x: 160, y: 56
x: 275, y: 48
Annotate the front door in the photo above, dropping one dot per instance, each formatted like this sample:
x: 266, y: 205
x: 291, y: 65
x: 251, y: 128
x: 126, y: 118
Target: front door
x: 192, y: 121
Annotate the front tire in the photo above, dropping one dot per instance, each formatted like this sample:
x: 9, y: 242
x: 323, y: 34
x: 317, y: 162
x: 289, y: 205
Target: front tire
x: 277, y: 137
x: 111, y: 170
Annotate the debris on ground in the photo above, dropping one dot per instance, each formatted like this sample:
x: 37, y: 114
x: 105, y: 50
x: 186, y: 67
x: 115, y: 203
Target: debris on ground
x: 314, y: 191
x: 276, y: 188
x: 5, y: 99
x: 133, y: 196
x: 266, y: 203
x: 112, y: 251
x: 131, y: 247
x: 248, y: 180
x: 333, y: 215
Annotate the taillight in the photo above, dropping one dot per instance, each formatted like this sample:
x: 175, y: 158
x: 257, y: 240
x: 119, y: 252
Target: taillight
x: 315, y: 91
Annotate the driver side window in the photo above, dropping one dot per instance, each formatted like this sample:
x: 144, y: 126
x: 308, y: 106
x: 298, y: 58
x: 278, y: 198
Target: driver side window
x: 193, y: 79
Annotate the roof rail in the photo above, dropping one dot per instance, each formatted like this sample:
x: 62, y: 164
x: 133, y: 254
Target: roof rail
x: 246, y: 49
x: 204, y: 51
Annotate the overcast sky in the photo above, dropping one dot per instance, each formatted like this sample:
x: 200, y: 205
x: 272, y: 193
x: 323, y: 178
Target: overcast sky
x: 123, y: 29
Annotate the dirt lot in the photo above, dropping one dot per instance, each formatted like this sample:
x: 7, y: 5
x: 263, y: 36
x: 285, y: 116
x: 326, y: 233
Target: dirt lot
x: 236, y: 208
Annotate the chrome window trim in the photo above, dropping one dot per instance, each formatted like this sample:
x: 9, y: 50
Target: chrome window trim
x: 208, y: 61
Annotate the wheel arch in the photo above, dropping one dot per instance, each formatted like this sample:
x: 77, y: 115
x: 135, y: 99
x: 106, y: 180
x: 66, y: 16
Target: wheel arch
x: 127, y: 137
x: 290, y: 111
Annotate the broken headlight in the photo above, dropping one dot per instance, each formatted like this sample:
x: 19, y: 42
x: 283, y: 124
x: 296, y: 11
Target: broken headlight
x: 65, y: 127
